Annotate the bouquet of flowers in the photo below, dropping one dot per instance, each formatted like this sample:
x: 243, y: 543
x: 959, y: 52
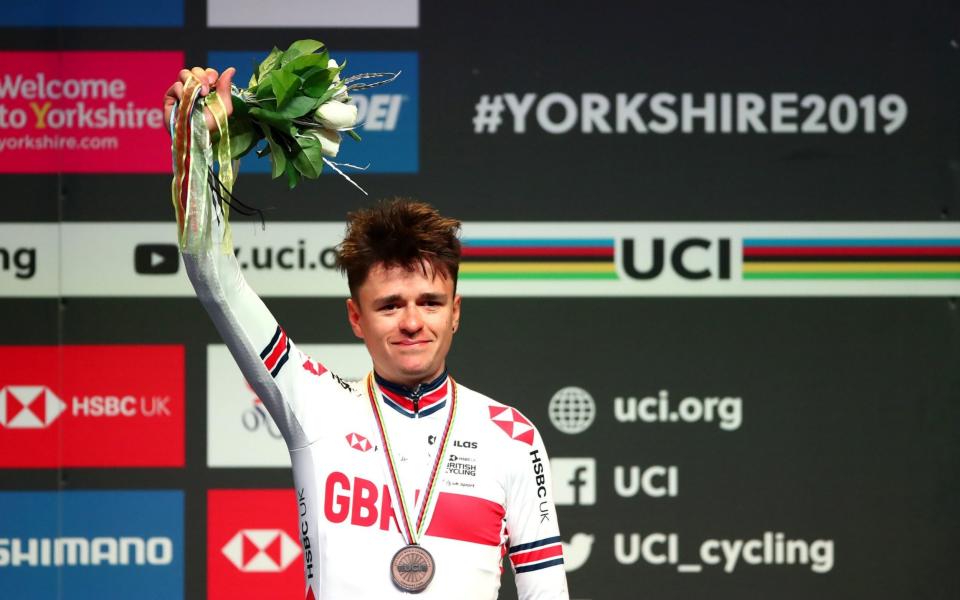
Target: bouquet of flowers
x: 297, y: 100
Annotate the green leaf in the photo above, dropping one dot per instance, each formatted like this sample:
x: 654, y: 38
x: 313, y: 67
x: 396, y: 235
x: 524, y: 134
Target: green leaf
x: 278, y: 157
x: 329, y: 94
x: 273, y: 119
x: 240, y: 108
x: 293, y: 176
x: 271, y: 62
x: 352, y: 133
x: 243, y: 136
x: 309, y: 160
x: 299, y: 48
x: 285, y: 85
x: 302, y: 64
x: 265, y: 87
x: 298, y: 107
x: 316, y: 84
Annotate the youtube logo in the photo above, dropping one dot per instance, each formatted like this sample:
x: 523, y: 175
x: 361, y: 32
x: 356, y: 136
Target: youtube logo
x: 156, y: 259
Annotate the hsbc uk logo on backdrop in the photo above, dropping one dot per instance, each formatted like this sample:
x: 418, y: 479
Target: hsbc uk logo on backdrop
x: 261, y: 550
x: 92, y: 406
x: 388, y: 115
x: 98, y: 544
x: 253, y: 545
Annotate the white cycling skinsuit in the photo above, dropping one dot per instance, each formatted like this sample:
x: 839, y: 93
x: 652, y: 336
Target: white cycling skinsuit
x: 493, y: 493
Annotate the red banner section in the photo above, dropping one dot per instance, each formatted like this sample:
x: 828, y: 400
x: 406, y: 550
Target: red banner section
x: 253, y: 545
x: 85, y: 112
x: 92, y: 406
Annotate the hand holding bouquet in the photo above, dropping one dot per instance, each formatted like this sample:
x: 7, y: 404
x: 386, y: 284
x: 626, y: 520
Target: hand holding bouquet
x: 296, y: 100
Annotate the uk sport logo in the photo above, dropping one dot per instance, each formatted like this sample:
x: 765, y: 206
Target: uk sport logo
x: 358, y: 442
x: 29, y: 406
x: 261, y: 550
x: 512, y: 423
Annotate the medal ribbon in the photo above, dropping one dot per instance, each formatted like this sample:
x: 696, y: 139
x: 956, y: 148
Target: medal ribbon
x: 192, y: 158
x: 413, y: 533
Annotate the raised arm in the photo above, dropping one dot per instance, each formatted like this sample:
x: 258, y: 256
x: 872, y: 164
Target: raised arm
x: 266, y: 356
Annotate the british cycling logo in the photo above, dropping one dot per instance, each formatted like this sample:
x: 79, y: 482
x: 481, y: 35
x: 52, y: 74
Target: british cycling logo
x: 261, y: 550
x: 29, y: 406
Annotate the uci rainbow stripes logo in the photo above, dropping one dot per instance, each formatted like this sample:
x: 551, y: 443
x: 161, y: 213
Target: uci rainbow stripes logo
x: 851, y: 258
x: 538, y: 258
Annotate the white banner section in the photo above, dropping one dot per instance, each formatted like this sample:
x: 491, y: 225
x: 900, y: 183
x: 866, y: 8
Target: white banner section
x: 240, y: 433
x: 313, y: 13
x: 615, y: 259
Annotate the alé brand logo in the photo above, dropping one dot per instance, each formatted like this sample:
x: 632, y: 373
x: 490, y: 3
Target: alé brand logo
x: 92, y: 406
x: 84, y: 112
x: 92, y: 13
x: 253, y: 545
x: 110, y: 544
x: 388, y: 116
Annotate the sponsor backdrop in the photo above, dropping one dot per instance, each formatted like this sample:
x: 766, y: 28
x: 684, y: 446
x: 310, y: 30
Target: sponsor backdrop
x: 712, y: 252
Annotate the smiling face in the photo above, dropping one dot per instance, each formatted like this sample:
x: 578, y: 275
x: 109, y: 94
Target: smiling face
x: 407, y: 319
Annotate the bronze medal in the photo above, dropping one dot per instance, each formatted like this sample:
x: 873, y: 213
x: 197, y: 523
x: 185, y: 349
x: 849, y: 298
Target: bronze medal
x: 412, y: 568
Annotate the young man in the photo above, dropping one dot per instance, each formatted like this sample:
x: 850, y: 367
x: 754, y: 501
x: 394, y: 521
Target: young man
x: 406, y: 481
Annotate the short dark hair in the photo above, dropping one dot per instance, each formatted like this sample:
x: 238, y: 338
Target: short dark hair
x: 399, y: 232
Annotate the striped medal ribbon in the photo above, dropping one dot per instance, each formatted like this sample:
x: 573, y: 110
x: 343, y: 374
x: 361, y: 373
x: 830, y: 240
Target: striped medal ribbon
x: 412, y: 567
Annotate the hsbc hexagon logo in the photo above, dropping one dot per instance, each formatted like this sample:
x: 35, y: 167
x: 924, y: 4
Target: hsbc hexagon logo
x: 358, y: 442
x: 512, y: 423
x: 29, y: 406
x: 261, y: 550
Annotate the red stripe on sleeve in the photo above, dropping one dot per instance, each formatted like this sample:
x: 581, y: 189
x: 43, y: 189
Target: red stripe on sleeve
x: 539, y: 554
x: 271, y: 361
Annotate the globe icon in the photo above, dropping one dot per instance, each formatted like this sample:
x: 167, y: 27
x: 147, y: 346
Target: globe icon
x: 572, y: 410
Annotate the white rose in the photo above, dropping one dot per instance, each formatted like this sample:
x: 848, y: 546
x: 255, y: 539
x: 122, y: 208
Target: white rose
x: 342, y: 92
x: 329, y: 141
x: 336, y: 115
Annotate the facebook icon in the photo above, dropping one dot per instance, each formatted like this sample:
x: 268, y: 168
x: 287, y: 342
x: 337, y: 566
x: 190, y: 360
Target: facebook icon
x: 574, y: 481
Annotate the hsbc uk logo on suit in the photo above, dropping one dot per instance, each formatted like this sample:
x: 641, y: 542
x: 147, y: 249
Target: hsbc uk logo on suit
x: 88, y: 406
